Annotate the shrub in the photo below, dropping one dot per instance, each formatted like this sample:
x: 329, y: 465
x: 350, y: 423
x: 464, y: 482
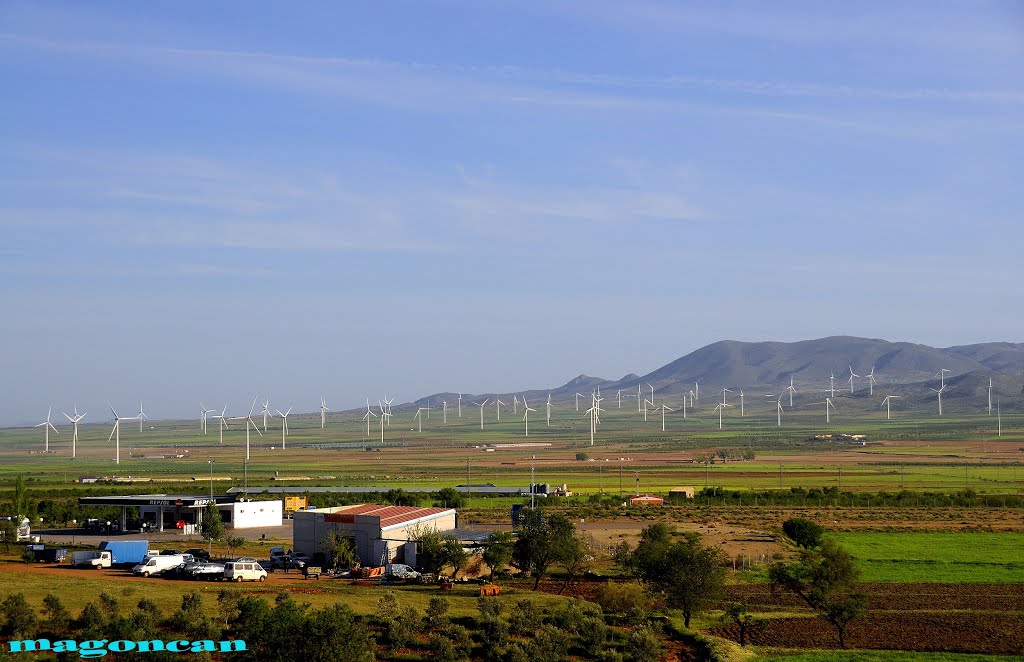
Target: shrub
x: 644, y: 645
x: 803, y: 532
x: 628, y: 603
x: 525, y: 618
x: 437, y: 611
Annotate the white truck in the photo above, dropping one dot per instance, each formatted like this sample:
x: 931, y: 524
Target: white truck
x: 401, y: 571
x: 91, y: 559
x: 154, y: 565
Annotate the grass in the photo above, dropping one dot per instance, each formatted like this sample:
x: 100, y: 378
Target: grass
x: 968, y: 557
x: 76, y: 591
x: 884, y: 656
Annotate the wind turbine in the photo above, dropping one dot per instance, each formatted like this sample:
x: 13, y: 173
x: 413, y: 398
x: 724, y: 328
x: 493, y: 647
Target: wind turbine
x: 696, y: 391
x: 47, y: 425
x: 284, y: 426
x: 663, y: 409
x: 639, y: 399
x: 444, y: 411
x: 387, y: 407
x: 482, y: 405
x: 852, y: 375
x: 888, y: 406
x: 742, y: 411
x: 618, y: 395
x: 871, y: 381
x: 526, y: 416
x: 74, y: 436
x: 832, y: 382
x: 515, y: 405
x: 723, y: 392
x: 141, y: 416
x: 266, y: 412
x: 578, y: 396
x: 999, y: 418
x: 829, y: 407
x: 203, y: 412
x: 366, y: 417
x: 652, y: 392
x: 938, y: 392
x: 549, y: 409
x: 942, y: 376
x: 116, y: 433
x: 791, y: 389
x: 646, y: 402
x: 778, y: 412
x: 223, y: 422
x: 595, y: 417
x: 989, y: 396
x: 720, y: 409
x: 419, y: 417
x: 460, y: 404
x: 248, y: 422
x: 323, y: 415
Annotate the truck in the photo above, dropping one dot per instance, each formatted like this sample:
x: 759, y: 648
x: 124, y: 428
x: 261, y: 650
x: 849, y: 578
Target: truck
x: 43, y: 554
x: 155, y: 565
x: 91, y: 559
x: 125, y: 552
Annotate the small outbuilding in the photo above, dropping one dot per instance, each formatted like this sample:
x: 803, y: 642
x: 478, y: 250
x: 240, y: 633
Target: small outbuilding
x: 646, y: 500
x: 682, y: 492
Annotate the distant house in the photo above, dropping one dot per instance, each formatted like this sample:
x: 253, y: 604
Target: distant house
x: 682, y: 492
x: 88, y: 479
x: 646, y: 500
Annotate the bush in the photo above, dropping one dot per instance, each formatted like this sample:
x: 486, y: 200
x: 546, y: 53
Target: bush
x: 57, y: 615
x: 627, y: 603
x: 803, y: 532
x: 644, y: 645
x: 437, y: 610
x: 525, y: 618
x: 489, y: 607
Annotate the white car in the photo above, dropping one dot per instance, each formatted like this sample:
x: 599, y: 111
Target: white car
x: 401, y: 571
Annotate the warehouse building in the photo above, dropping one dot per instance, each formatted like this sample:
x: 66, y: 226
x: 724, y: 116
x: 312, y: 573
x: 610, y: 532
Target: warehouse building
x: 382, y: 534
x: 184, y: 512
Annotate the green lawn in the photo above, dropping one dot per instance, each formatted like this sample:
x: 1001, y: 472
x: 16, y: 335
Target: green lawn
x: 974, y: 557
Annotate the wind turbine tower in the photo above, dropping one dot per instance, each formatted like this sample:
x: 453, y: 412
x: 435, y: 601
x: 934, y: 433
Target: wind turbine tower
x: 323, y: 415
x: 888, y: 406
x: 482, y: 405
x: 721, y: 410
x: 284, y: 427
x: 852, y: 375
x: 829, y: 408
x: 47, y: 425
x: 871, y: 381
x: 791, y: 389
x: 141, y: 416
x: 526, y: 417
x: 74, y: 436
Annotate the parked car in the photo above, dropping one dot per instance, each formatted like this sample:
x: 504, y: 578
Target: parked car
x: 181, y: 571
x: 296, y: 560
x: 198, y: 553
x: 401, y: 571
x: 208, y: 570
x: 169, y: 552
x: 240, y: 571
x: 277, y: 557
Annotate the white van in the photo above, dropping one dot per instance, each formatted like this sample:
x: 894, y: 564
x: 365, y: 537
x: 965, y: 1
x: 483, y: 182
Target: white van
x: 154, y: 565
x: 244, y: 571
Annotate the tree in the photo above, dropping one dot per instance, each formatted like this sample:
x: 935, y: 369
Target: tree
x: 803, y: 532
x: 430, y: 554
x: 339, y: 549
x: 454, y: 554
x: 213, y: 526
x: 17, y: 618
x: 498, y: 551
x: 20, y: 500
x: 235, y: 542
x: 689, y: 574
x: 8, y: 532
x: 57, y: 616
x: 582, y: 457
x: 399, y: 497
x: 576, y: 559
x: 437, y: 610
x: 740, y: 614
x: 826, y: 580
x: 449, y: 497
x: 541, y: 543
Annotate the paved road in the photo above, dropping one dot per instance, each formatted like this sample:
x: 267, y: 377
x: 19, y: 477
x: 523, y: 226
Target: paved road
x: 81, y: 537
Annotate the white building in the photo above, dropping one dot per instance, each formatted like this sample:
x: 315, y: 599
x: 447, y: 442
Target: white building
x: 382, y: 534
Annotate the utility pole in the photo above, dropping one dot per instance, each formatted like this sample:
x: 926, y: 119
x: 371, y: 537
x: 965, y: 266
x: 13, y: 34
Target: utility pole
x: 209, y: 550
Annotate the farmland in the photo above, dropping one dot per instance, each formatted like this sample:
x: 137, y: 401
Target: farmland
x: 930, y: 510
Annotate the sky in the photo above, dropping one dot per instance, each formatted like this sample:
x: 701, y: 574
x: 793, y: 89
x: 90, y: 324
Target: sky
x: 212, y: 201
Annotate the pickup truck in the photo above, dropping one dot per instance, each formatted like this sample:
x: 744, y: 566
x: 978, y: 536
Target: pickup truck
x: 91, y: 559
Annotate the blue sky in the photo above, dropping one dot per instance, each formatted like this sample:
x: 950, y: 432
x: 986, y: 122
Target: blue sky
x: 205, y: 201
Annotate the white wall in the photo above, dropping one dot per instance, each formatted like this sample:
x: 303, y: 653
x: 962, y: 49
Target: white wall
x: 252, y: 514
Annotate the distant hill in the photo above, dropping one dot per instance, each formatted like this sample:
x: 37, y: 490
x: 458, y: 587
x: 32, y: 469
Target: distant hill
x: 770, y: 365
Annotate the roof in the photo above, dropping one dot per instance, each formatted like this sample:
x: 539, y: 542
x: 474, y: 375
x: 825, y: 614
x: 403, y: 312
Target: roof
x: 391, y: 516
x: 302, y: 489
x: 183, y: 500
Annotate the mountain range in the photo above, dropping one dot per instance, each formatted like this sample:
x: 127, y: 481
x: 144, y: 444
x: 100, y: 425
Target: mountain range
x: 899, y: 368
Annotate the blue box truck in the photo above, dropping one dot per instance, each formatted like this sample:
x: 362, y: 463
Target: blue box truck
x: 125, y: 552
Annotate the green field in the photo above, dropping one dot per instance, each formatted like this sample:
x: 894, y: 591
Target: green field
x: 887, y: 656
x: 975, y: 557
